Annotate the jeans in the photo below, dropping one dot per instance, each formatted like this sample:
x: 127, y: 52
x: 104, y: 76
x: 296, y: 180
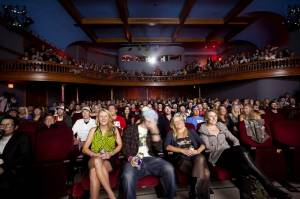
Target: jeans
x: 150, y: 166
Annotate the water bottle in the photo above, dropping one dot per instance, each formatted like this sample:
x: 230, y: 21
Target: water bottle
x: 137, y: 161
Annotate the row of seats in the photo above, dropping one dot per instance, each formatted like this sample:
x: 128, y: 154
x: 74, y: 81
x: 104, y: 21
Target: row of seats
x: 52, y: 147
x: 284, y: 138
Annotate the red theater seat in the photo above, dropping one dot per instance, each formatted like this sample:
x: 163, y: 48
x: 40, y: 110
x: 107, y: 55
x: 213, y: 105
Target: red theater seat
x: 189, y: 126
x: 245, y: 139
x: 29, y: 128
x: 54, y: 144
x: 148, y: 181
x: 265, y: 154
x: 220, y: 173
x: 286, y: 132
x: 52, y: 149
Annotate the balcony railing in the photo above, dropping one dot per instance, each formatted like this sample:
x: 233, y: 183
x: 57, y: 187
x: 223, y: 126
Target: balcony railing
x: 48, y: 67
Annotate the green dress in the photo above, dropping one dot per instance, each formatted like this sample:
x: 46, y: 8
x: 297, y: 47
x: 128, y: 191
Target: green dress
x: 102, y: 142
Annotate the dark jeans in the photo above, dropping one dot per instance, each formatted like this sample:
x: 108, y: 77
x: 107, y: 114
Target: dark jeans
x: 150, y: 166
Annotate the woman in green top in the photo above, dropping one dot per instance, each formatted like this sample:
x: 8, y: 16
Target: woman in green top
x: 103, y: 142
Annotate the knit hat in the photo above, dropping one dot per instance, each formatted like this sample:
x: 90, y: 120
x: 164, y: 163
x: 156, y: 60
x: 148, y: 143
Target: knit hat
x: 150, y: 114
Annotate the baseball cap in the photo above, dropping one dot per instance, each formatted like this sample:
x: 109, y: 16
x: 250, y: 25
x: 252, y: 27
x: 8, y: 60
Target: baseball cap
x: 86, y: 108
x: 60, y: 107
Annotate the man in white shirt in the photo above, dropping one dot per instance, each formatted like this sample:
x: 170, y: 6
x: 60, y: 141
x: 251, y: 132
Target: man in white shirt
x: 82, y: 126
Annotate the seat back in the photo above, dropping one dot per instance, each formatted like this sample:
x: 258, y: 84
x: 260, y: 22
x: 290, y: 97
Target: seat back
x: 29, y: 128
x: 245, y: 139
x: 189, y: 126
x: 54, y: 144
x: 286, y: 132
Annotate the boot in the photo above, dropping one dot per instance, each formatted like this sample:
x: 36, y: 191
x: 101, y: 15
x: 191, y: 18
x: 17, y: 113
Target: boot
x: 192, y: 192
x: 202, y: 189
x: 270, y: 188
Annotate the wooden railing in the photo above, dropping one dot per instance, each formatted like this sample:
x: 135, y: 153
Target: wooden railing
x: 33, y: 67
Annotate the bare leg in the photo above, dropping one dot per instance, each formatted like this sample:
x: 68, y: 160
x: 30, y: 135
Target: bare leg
x: 94, y: 184
x: 98, y: 163
x: 94, y: 181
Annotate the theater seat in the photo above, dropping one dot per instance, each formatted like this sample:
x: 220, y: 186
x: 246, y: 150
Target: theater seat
x: 246, y: 140
x: 54, y: 144
x: 219, y: 173
x: 264, y: 154
x: 181, y: 178
x: 286, y: 132
x: 51, y: 170
x: 148, y: 181
x: 189, y: 126
x: 29, y: 128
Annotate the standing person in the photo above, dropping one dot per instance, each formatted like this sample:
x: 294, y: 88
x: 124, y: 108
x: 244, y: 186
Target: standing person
x: 187, y: 147
x: 82, y: 126
x: 4, y: 103
x: 103, y: 142
x: 234, y: 158
x: 15, y: 160
x: 144, y: 139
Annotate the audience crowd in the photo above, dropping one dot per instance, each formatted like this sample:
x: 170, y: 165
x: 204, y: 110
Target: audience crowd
x: 267, y: 53
x: 98, y: 126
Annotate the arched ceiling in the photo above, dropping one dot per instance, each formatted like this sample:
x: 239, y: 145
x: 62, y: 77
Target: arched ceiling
x: 190, y: 23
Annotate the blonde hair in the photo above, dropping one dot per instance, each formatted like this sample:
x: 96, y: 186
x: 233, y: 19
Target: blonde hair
x: 233, y: 109
x: 110, y: 124
x: 172, y: 125
x: 209, y: 111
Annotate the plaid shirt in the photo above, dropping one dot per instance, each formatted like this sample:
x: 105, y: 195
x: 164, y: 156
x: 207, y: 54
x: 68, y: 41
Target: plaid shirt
x: 131, y: 142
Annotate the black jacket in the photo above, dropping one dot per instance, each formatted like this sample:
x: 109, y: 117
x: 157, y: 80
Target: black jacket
x: 17, y: 154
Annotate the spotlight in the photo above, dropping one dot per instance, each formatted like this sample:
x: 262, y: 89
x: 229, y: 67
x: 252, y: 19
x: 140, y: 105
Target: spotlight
x: 152, y: 60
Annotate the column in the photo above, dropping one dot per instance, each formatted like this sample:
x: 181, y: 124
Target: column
x: 77, y: 96
x: 63, y: 93
x: 111, y: 94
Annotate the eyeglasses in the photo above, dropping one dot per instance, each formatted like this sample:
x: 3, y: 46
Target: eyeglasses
x: 4, y: 126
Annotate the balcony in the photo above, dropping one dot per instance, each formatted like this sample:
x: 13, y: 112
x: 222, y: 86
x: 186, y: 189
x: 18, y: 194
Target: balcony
x: 12, y: 70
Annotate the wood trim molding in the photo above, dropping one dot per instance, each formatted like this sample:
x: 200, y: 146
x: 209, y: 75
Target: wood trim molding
x: 69, y: 78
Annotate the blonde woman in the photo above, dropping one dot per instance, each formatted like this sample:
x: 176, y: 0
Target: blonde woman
x: 102, y: 143
x: 187, y: 147
x: 23, y: 113
x: 234, y: 158
x: 234, y: 118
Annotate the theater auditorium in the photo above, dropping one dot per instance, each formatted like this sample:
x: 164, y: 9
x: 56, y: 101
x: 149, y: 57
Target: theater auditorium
x: 146, y: 99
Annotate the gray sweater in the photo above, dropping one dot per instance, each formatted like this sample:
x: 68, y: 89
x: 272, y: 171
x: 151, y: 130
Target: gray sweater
x: 215, y: 145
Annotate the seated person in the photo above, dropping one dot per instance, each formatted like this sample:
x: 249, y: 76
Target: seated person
x: 195, y: 119
x: 234, y: 158
x: 15, y: 159
x: 49, y: 122
x: 103, y: 142
x: 61, y: 118
x: 119, y: 121
x: 234, y: 118
x: 144, y: 139
x: 187, y: 147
